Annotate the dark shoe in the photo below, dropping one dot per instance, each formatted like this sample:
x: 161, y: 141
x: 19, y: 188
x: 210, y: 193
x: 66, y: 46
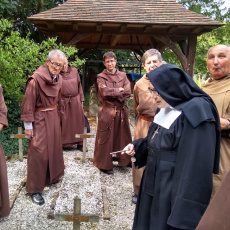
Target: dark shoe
x: 37, y: 198
x: 134, y: 199
x: 107, y: 171
x: 57, y: 181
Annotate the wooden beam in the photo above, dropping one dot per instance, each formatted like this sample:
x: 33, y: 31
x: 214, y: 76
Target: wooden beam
x: 50, y: 26
x: 192, y: 42
x: 83, y: 51
x: 123, y: 28
x: 107, y: 46
x: 197, y: 30
x: 115, y: 39
x: 169, y: 43
x: 75, y: 27
x: 84, y: 136
x: 172, y: 29
x: 76, y: 39
x: 184, y: 47
x: 152, y: 41
x: 139, y: 52
x: 99, y: 27
x: 147, y: 29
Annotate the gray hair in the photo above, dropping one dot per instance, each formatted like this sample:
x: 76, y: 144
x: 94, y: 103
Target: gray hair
x: 57, y: 53
x: 150, y: 53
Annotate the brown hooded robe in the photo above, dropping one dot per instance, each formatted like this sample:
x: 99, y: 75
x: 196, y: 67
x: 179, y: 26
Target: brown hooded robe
x: 113, y: 131
x: 4, y: 190
x: 45, y: 164
x: 216, y: 216
x: 145, y: 107
x: 72, y: 120
x: 219, y: 91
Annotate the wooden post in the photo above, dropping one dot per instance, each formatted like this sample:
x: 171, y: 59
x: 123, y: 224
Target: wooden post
x: 84, y: 136
x: 76, y: 217
x: 19, y: 136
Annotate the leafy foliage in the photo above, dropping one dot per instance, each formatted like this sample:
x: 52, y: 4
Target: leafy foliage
x: 19, y: 10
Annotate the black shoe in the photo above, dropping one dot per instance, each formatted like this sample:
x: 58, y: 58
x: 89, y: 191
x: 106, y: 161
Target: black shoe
x: 37, y: 198
x: 134, y: 199
x: 107, y: 171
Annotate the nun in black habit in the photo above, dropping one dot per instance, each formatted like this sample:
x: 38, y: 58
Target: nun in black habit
x: 180, y: 153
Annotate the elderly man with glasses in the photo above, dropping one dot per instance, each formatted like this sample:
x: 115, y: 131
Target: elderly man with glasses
x: 45, y: 164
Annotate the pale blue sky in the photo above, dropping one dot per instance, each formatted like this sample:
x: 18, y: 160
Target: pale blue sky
x: 227, y: 3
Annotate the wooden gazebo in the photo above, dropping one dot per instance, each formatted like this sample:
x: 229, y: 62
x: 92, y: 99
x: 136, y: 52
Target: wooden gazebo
x: 127, y: 24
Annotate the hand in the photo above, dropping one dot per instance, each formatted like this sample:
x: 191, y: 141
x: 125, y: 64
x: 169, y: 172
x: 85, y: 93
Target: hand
x: 121, y: 89
x: 223, y: 124
x: 129, y: 150
x: 29, y: 133
x: 1, y: 127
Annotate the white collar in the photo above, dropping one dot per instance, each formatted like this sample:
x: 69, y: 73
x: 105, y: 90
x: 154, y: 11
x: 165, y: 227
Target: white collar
x: 166, y: 117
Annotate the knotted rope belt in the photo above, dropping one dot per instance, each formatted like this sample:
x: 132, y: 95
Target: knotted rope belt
x: 146, y: 118
x: 46, y: 108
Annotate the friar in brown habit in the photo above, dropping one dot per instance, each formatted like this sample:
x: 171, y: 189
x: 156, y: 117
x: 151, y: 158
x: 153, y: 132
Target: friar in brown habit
x: 113, y: 131
x: 72, y: 119
x: 4, y: 191
x: 216, y: 216
x: 39, y: 111
x: 145, y: 107
x: 218, y: 88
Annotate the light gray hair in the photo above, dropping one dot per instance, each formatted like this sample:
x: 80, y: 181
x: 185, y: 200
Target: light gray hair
x: 150, y: 53
x: 57, y: 53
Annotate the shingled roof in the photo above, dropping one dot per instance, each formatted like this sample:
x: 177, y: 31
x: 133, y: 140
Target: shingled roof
x: 122, y: 24
x: 158, y: 12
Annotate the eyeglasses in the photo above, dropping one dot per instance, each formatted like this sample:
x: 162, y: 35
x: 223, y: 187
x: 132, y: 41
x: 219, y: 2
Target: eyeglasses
x: 55, y: 64
x: 154, y: 92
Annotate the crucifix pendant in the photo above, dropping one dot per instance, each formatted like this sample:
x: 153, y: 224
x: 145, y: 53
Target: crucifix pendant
x: 156, y: 131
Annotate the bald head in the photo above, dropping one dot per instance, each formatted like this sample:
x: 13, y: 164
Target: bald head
x: 218, y: 61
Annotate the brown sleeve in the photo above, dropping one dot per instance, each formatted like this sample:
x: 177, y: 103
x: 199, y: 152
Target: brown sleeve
x: 135, y: 97
x: 3, y: 110
x: 80, y: 90
x: 29, y: 102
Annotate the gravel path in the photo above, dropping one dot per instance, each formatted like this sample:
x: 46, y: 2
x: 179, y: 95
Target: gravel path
x: 80, y: 179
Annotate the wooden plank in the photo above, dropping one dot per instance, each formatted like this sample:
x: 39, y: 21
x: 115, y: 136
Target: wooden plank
x: 105, y: 200
x: 18, y: 136
x: 76, y: 218
x: 20, y: 144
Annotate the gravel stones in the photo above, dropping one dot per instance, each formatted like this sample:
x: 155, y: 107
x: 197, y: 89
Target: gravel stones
x: 82, y: 180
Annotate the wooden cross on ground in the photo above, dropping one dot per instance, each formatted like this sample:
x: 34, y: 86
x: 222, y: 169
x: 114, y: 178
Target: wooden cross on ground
x: 84, y: 136
x: 19, y: 136
x: 76, y: 217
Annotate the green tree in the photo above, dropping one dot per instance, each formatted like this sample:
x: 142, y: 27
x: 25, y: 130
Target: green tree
x: 210, y: 8
x: 19, y: 10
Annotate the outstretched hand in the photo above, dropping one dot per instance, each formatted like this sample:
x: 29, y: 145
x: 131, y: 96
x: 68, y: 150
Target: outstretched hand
x: 129, y: 150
